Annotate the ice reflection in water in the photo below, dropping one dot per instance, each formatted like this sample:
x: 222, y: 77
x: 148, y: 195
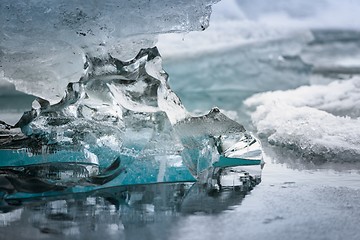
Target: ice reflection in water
x: 116, y: 212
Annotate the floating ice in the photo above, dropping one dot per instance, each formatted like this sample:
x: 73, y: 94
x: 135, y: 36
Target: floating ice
x: 215, y: 136
x: 121, y: 124
x: 316, y: 124
x: 118, y: 123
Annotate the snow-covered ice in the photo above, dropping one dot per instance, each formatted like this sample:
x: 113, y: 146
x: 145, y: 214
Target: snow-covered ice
x: 318, y: 121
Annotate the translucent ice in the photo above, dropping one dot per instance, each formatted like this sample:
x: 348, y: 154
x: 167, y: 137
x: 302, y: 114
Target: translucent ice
x: 44, y: 43
x: 111, y: 98
x: 118, y: 122
x: 215, y: 136
x: 124, y: 111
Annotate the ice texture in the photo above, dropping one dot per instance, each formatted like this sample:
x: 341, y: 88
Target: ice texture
x: 122, y: 110
x: 113, y: 104
x: 311, y: 121
x: 44, y: 43
x: 214, y: 135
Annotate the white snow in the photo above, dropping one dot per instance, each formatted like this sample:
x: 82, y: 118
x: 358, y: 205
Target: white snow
x: 306, y: 119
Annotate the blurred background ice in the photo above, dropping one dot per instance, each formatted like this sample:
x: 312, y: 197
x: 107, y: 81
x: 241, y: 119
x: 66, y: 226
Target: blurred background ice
x: 262, y: 46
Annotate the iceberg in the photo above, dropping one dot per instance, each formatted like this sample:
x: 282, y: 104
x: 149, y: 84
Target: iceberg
x: 120, y: 125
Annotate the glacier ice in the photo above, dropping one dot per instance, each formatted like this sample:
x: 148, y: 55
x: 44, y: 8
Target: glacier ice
x: 112, y: 212
x: 317, y: 125
x: 113, y: 94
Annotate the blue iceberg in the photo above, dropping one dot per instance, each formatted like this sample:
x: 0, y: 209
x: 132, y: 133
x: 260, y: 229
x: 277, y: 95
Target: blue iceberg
x: 120, y: 125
